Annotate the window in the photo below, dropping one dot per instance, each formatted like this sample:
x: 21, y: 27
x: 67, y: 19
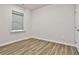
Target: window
x: 17, y: 21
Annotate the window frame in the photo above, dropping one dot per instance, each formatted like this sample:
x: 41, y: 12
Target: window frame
x: 19, y: 14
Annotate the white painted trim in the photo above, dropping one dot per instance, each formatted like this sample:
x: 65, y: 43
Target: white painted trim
x: 52, y: 41
x: 17, y: 30
x: 14, y: 41
x: 40, y: 39
x: 36, y: 38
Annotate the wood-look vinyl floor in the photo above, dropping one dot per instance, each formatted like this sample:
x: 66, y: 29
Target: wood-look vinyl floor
x: 37, y: 47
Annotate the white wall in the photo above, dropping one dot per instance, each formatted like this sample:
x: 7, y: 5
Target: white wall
x: 5, y: 23
x: 54, y: 22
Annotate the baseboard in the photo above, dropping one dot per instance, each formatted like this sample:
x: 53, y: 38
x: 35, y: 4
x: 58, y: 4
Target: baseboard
x: 14, y: 41
x: 53, y: 41
x: 36, y: 38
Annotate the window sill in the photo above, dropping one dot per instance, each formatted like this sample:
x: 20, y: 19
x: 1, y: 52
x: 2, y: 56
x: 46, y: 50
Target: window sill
x: 17, y: 31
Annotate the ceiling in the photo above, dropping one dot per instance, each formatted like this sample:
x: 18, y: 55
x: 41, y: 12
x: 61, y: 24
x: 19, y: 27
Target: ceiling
x: 32, y: 6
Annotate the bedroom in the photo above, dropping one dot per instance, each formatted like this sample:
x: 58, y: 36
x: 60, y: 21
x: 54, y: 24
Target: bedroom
x: 45, y: 29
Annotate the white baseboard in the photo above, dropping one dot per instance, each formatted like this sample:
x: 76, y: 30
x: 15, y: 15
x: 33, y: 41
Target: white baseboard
x: 36, y: 38
x: 52, y: 41
x: 14, y: 41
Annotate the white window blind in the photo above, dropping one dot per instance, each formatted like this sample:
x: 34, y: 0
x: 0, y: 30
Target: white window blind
x: 17, y: 21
